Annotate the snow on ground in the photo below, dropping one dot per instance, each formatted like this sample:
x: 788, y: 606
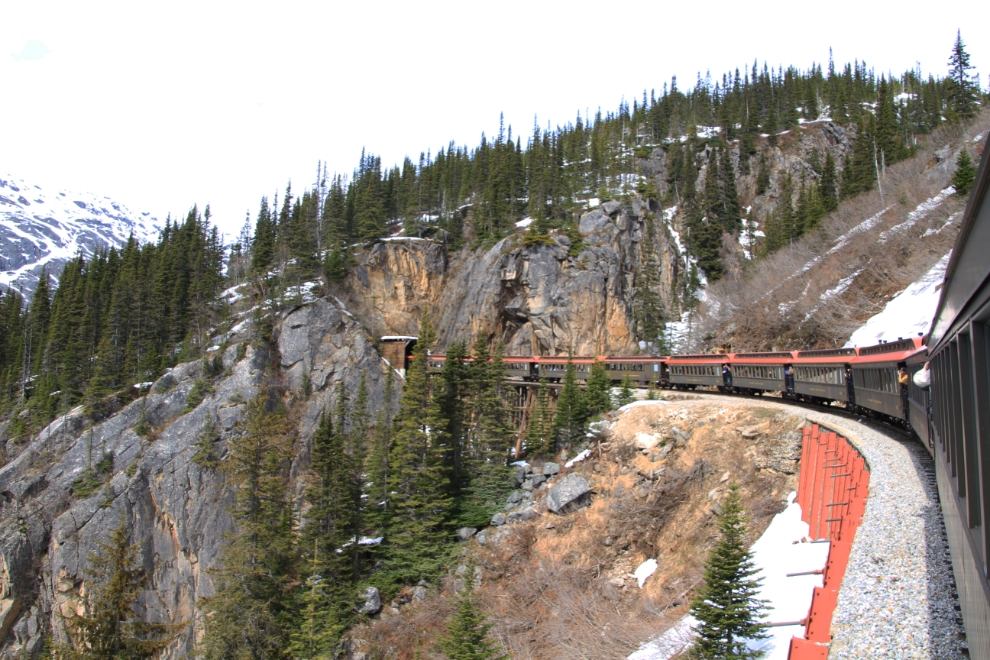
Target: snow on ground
x: 908, y: 313
x: 400, y: 238
x: 231, y: 295
x: 645, y: 570
x: 775, y: 554
x: 920, y: 212
x: 580, y: 457
x: 525, y: 222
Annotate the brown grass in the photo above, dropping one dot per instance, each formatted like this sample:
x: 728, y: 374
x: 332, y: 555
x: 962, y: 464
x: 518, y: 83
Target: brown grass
x: 554, y: 589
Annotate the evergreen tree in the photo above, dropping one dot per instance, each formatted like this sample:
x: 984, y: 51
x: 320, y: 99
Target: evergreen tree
x: 571, y: 411
x: 963, y: 91
x: 726, y: 606
x: 418, y: 481
x: 490, y: 435
x: 598, y: 390
x: 625, y: 395
x: 539, y: 432
x: 328, y: 542
x: 251, y: 612
x: 109, y: 629
x: 965, y: 174
x: 826, y: 185
x: 467, y: 636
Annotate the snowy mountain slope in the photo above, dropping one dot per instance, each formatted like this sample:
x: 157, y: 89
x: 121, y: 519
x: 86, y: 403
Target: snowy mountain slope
x: 47, y: 228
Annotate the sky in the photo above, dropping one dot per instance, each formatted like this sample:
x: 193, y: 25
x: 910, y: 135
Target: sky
x: 164, y: 105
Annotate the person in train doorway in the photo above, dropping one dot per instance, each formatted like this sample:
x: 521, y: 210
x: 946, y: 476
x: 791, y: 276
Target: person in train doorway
x: 903, y: 380
x: 727, y: 375
x: 850, y: 390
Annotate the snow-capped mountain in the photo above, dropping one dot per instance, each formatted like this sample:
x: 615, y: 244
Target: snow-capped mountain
x: 47, y: 228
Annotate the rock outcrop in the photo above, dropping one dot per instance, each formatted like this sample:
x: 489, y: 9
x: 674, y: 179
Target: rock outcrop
x: 538, y: 300
x: 174, y: 506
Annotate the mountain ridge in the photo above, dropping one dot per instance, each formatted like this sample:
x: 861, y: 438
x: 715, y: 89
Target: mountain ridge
x: 44, y: 229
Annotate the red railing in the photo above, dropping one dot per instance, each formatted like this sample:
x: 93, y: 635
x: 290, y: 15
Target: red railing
x: 832, y: 493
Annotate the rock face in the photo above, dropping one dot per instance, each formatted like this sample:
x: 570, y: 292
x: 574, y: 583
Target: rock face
x: 537, y: 300
x: 175, y: 509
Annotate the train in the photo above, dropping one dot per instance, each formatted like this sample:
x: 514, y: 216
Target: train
x: 864, y: 380
x: 948, y: 410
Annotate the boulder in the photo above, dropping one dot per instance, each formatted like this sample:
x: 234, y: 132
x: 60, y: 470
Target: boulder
x: 499, y: 519
x: 519, y: 474
x: 594, y: 222
x: 482, y: 537
x: 611, y: 207
x: 537, y: 480
x: 464, y: 533
x: 679, y: 435
x: 515, y: 496
x: 419, y: 594
x: 372, y: 601
x: 569, y: 494
x: 550, y: 469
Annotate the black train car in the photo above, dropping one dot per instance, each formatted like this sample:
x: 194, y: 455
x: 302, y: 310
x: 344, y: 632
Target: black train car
x: 959, y: 347
x: 875, y: 377
x: 821, y: 375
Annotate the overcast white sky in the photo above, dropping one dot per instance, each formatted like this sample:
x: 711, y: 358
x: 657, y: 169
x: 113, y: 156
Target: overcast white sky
x: 163, y: 105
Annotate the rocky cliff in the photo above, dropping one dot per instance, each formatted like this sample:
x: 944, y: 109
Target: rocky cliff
x: 175, y: 507
x: 538, y: 300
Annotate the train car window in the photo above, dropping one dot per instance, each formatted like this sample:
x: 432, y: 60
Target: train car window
x: 968, y: 409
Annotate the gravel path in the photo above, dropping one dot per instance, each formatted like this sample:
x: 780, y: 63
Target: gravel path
x: 898, y: 598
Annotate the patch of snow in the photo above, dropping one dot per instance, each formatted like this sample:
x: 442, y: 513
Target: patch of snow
x: 978, y: 137
x: 908, y: 313
x: 400, y: 238
x: 212, y: 348
x: 775, y: 555
x: 525, y: 222
x: 399, y: 338
x: 645, y: 570
x: 577, y: 459
x: 918, y: 213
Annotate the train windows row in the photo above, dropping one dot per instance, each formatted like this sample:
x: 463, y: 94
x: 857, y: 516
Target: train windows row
x: 694, y: 370
x: 759, y: 371
x: 830, y: 375
x: 877, y: 379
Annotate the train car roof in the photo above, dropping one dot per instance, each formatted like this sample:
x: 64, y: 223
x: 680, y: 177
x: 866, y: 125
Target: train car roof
x: 966, y: 286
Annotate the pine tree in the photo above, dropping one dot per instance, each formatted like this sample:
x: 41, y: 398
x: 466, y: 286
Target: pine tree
x: 826, y: 185
x: 418, y: 480
x: 328, y: 542
x: 598, y: 390
x: 963, y: 91
x: 726, y: 606
x: 109, y: 628
x: 965, y: 174
x: 467, y: 635
x: 571, y: 411
x: 250, y: 614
